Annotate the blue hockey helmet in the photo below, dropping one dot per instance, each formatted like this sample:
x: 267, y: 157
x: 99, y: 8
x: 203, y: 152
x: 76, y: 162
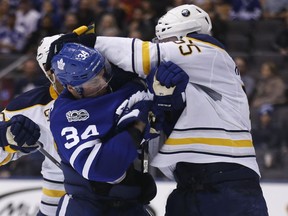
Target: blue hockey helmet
x: 76, y: 64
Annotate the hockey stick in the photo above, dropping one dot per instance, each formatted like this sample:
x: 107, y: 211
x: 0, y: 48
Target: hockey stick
x: 46, y: 154
x: 145, y: 156
x: 145, y: 143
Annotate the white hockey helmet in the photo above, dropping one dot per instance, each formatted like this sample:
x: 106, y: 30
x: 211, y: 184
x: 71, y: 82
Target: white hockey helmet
x: 181, y: 20
x: 42, y: 54
x: 43, y: 50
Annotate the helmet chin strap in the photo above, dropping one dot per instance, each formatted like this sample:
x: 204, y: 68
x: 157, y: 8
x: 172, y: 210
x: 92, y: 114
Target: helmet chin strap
x: 53, y: 82
x: 108, y: 77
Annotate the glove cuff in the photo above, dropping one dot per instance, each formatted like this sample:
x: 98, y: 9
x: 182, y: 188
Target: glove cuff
x: 9, y: 149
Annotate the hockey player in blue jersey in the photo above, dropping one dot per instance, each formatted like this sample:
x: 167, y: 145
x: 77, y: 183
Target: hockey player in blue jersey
x: 29, y: 111
x: 98, y: 147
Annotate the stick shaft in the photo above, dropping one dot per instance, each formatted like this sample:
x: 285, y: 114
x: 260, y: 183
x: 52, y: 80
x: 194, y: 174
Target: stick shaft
x: 46, y: 154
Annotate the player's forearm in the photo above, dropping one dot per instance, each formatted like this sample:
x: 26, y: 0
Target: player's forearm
x: 129, y: 54
x: 117, y: 50
x: 105, y: 162
x: 117, y: 154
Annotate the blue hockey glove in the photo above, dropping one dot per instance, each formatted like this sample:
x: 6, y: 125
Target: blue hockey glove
x: 141, y: 111
x: 135, y: 108
x: 170, y: 74
x: 19, y: 134
x: 3, y: 130
x: 168, y: 83
x: 138, y: 108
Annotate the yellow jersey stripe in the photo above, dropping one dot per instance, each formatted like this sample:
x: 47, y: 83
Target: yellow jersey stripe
x: 146, y: 57
x: 52, y: 92
x: 6, y: 160
x: 9, y: 149
x: 209, y: 141
x: 53, y: 193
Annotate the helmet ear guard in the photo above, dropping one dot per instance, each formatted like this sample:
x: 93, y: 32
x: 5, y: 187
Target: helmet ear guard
x: 193, y: 26
x: 182, y: 20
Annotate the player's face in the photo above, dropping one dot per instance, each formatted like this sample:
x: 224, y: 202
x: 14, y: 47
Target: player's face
x: 96, y: 86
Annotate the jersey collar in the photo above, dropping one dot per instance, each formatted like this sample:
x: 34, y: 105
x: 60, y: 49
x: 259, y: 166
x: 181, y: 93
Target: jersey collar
x: 207, y: 38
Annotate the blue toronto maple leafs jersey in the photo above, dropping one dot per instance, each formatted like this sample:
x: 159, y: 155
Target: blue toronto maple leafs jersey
x: 84, y: 131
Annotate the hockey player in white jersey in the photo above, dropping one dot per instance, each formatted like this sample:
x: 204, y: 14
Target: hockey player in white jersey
x: 35, y: 105
x: 210, y: 151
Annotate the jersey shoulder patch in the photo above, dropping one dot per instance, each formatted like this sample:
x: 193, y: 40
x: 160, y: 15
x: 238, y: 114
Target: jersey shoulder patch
x: 40, y: 95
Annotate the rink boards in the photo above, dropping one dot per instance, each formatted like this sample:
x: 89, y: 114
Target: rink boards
x: 21, y: 197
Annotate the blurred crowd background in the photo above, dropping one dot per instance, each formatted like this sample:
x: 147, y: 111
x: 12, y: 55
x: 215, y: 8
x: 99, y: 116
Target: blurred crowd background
x: 255, y: 33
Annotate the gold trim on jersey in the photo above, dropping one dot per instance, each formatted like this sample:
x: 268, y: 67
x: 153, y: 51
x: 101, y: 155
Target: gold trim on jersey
x: 209, y: 141
x: 6, y: 160
x: 146, y: 57
x: 9, y: 149
x: 55, y: 146
x: 53, y: 193
x: 52, y: 92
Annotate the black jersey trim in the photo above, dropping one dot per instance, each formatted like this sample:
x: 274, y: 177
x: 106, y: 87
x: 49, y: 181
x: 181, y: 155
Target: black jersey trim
x: 211, y: 129
x: 207, y: 153
x: 49, y: 204
x: 53, y: 181
x: 133, y: 61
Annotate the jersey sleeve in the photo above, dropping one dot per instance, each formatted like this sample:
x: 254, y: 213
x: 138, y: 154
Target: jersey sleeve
x: 112, y: 159
x: 205, y: 63
x: 96, y: 160
x: 130, y: 54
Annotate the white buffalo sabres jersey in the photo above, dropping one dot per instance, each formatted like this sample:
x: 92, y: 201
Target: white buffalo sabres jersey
x: 36, y: 105
x: 215, y: 125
